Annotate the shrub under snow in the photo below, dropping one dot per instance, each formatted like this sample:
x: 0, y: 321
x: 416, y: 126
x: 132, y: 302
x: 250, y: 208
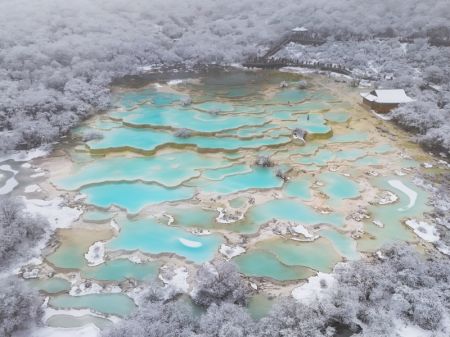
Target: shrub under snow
x: 18, y: 231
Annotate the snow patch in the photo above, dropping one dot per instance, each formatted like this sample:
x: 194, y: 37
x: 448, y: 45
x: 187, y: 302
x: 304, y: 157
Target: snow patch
x: 444, y: 249
x: 317, y: 288
x: 26, y: 155
x: 32, y: 189
x: 170, y: 218
x: 37, y: 175
x: 175, y: 278
x: 89, y: 330
x: 412, y: 195
x: 11, y: 183
x: 58, y: 215
x: 403, y: 329
x: 33, y: 273
x: 300, y: 229
x: 115, y: 225
x: 424, y: 230
x: 174, y: 82
x: 190, y: 243
x: 95, y: 254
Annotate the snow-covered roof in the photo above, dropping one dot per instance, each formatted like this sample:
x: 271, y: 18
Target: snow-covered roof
x: 300, y: 29
x: 388, y: 96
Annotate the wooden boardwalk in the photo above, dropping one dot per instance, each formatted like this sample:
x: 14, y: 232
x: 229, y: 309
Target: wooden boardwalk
x: 267, y: 61
x: 275, y: 63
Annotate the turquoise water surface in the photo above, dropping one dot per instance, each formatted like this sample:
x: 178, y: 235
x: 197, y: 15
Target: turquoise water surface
x: 133, y: 197
x: 109, y: 304
x: 149, y: 236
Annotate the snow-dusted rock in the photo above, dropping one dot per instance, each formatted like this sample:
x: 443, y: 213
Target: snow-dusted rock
x: 85, y: 288
x: 230, y: 252
x: 32, y: 188
x: 378, y: 223
x: 300, y: 229
x: 96, y: 254
x: 227, y: 218
x: 386, y: 197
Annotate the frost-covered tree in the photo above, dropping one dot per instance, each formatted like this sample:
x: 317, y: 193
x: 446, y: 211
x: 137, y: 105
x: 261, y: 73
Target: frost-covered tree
x: 226, y: 320
x: 411, y: 289
x: 290, y: 318
x: 420, y: 116
x: 55, y: 69
x: 19, y: 231
x: 157, y: 319
x: 20, y: 306
x: 220, y: 282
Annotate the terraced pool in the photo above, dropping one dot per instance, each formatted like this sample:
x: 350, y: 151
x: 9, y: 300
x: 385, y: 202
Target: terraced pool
x: 154, y: 196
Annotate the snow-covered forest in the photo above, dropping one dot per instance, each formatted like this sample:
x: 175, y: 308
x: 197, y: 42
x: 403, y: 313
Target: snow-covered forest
x: 57, y: 58
x: 57, y: 62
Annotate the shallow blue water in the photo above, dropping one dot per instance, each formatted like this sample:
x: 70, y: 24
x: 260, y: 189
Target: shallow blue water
x: 133, y: 196
x: 149, y: 236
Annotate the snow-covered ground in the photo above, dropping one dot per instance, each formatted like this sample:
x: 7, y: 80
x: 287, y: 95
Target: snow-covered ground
x: 316, y: 288
x: 24, y: 156
x: 424, y: 230
x: 55, y: 211
x: 176, y: 278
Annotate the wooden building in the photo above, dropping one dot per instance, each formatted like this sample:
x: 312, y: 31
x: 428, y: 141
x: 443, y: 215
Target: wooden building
x: 386, y: 99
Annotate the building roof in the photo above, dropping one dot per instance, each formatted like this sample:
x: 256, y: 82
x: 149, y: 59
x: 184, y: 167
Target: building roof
x: 387, y: 96
x: 300, y: 29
